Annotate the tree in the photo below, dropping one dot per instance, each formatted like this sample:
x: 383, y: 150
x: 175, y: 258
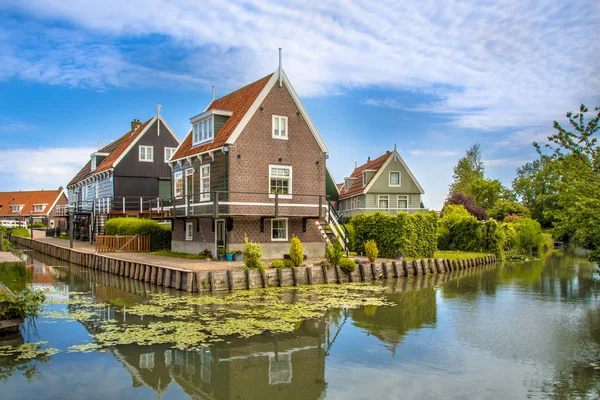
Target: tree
x: 486, y: 192
x: 533, y: 186
x: 573, y: 163
x: 468, y: 203
x: 504, y: 208
x: 468, y: 169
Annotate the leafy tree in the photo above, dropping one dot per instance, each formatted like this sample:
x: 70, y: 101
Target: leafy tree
x: 469, y: 169
x: 468, y: 203
x: 504, y: 208
x: 533, y: 186
x: 573, y: 161
x: 486, y: 192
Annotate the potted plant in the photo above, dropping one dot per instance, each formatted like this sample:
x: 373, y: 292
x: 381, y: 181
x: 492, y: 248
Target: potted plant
x: 229, y: 256
x: 221, y: 254
x: 238, y: 255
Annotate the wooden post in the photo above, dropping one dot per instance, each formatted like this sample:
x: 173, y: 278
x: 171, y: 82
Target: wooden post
x: 295, y: 276
x: 230, y: 279
x: 211, y: 281
x: 361, y: 268
x: 248, y: 283
x: 280, y: 276
x: 338, y: 274
x: 263, y: 277
x: 385, y: 270
x: 167, y: 281
x: 325, y: 275
x: 309, y: 274
x: 153, y: 275
x: 374, y: 271
x: 177, y: 280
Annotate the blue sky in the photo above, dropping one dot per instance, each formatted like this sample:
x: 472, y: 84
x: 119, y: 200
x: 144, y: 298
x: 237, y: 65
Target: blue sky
x: 431, y: 77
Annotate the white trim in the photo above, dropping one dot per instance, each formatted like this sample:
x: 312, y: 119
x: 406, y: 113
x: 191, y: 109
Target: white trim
x: 333, y: 179
x: 200, y: 124
x: 258, y: 101
x: 56, y: 201
x: 189, y: 231
x: 204, y: 195
x: 394, y: 155
x: 145, y: 147
x: 132, y: 144
x: 279, y: 118
x: 209, y: 113
x: 290, y: 181
x: 287, y: 225
x: 172, y: 153
x: 180, y: 172
x: 399, y: 178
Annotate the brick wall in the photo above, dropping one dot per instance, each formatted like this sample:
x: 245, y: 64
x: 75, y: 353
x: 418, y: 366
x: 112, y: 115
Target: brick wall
x: 251, y: 227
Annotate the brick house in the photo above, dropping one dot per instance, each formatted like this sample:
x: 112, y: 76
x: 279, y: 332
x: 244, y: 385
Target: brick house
x: 127, y: 176
x: 253, y: 164
x: 384, y: 184
x: 42, y: 205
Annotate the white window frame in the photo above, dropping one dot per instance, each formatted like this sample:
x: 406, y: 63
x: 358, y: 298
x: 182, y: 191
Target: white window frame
x: 204, y: 194
x: 281, y: 196
x: 189, y: 231
x: 402, y: 197
x: 189, y: 194
x: 147, y: 360
x: 42, y: 207
x: 399, y: 179
x: 146, y: 148
x: 171, y: 151
x: 93, y: 166
x: 177, y: 175
x: 287, y: 226
x: 19, y: 207
x: 96, y: 190
x: 203, y: 131
x: 280, y: 368
x: 278, y: 135
x: 381, y: 197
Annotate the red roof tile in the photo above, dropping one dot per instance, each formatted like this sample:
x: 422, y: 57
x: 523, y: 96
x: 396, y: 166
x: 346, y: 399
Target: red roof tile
x: 114, y: 149
x: 27, y: 199
x: 238, y: 103
x: 357, y: 186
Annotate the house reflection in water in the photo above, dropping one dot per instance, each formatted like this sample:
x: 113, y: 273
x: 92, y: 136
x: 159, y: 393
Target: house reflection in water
x: 281, y: 366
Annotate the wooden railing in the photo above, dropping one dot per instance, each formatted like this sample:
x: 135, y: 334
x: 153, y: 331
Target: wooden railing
x: 125, y: 244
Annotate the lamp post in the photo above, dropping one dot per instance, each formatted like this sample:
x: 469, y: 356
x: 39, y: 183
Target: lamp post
x: 71, y: 212
x: 31, y: 224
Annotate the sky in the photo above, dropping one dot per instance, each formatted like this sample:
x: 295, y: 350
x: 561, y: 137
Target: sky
x: 432, y: 78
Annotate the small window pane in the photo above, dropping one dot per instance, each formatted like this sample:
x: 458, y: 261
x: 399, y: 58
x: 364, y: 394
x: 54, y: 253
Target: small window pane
x: 395, y: 178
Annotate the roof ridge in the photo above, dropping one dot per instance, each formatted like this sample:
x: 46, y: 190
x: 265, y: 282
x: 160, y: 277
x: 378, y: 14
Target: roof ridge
x: 239, y: 89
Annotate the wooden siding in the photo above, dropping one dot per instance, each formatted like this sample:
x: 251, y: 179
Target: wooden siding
x: 219, y: 122
x: 414, y: 200
x: 381, y: 185
x: 131, y: 166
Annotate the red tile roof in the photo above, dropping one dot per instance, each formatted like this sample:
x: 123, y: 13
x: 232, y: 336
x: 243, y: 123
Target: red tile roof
x: 27, y: 199
x: 114, y: 149
x: 238, y: 103
x: 357, y: 186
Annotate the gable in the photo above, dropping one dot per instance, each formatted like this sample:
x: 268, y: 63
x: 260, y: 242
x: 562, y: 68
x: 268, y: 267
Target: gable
x: 408, y: 183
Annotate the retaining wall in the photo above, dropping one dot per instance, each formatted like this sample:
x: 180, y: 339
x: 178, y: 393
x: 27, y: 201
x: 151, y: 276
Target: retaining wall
x: 238, y: 279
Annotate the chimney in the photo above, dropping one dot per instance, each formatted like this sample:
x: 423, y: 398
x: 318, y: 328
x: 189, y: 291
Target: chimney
x: 135, y: 124
x: 280, y: 67
x: 213, y: 93
x: 368, y: 159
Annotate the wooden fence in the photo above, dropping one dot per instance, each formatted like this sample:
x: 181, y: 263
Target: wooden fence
x: 125, y: 244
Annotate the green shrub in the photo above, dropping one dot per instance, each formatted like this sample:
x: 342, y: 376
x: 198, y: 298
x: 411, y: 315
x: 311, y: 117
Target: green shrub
x: 504, y: 208
x: 350, y: 237
x: 22, y: 232
x: 334, y: 252
x: 296, y: 252
x: 38, y: 225
x: 277, y: 264
x: 494, y: 238
x: 252, y: 254
x: 371, y: 250
x: 160, y: 235
x: 547, y: 244
x: 347, y: 265
x: 413, y: 235
x: 459, y: 230
x: 288, y: 263
x: 6, y: 246
x: 325, y: 264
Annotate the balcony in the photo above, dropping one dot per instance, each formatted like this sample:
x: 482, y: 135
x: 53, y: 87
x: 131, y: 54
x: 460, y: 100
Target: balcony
x: 392, y: 211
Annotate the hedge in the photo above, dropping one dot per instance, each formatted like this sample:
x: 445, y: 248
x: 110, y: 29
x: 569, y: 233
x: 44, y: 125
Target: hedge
x: 160, y: 235
x: 412, y: 235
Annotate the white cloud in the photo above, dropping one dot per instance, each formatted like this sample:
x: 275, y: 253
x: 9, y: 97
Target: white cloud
x: 432, y: 153
x: 42, y: 168
x: 387, y: 103
x: 488, y: 66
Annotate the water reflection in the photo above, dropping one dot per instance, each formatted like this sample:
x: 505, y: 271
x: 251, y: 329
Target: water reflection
x: 511, y: 330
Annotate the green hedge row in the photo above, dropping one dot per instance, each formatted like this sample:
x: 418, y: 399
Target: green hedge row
x: 412, y: 235
x: 160, y: 235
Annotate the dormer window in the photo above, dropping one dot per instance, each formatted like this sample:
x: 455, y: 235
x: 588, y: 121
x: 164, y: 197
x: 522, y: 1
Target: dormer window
x: 39, y: 207
x: 204, y: 131
x: 16, y: 207
x: 94, y: 163
x: 96, y: 159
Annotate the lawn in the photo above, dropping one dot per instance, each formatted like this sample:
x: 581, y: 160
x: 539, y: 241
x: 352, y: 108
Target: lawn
x: 458, y: 255
x: 173, y: 254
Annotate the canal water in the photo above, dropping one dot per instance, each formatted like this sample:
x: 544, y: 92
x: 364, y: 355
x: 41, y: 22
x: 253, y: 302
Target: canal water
x: 509, y: 331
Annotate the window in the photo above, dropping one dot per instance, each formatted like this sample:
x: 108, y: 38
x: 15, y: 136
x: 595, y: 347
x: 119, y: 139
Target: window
x: 383, y: 202
x: 147, y: 153
x: 280, y: 179
x: 364, y: 179
x: 39, y: 207
x: 93, y: 163
x: 169, y: 151
x: 147, y: 360
x: 204, y: 131
x: 280, y: 368
x: 189, y: 231
x: 205, y: 182
x: 16, y: 207
x: 394, y: 178
x: 189, y: 184
x: 96, y: 190
x: 403, y: 202
x: 178, y: 187
x: 279, y: 231
x: 84, y: 193
x: 280, y: 130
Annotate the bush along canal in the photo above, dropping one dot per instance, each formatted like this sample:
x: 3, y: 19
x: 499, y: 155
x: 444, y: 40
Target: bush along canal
x: 238, y: 279
x: 498, y: 331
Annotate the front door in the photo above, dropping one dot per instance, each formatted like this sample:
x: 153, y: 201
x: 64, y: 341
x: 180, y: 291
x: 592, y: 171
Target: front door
x: 220, y: 234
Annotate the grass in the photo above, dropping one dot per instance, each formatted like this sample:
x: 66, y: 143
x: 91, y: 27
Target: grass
x: 174, y: 254
x: 458, y: 255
